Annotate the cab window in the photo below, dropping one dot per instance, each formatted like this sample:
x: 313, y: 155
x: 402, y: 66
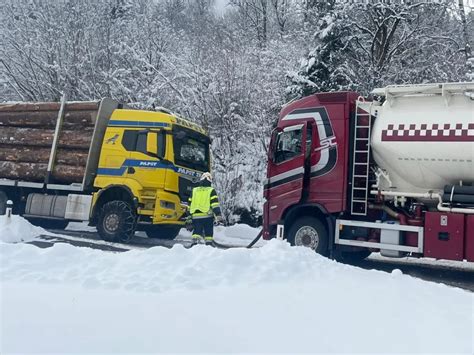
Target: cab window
x: 135, y: 141
x: 141, y: 143
x: 288, y: 144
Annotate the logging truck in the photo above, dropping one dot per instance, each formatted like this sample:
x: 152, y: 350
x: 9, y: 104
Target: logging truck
x: 121, y: 170
x: 395, y: 174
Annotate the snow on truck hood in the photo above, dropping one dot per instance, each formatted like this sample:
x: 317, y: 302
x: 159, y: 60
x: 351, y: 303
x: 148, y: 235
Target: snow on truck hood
x: 275, y: 298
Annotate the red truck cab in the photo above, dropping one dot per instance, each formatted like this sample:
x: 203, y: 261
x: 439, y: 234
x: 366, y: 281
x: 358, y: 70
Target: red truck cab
x: 308, y: 165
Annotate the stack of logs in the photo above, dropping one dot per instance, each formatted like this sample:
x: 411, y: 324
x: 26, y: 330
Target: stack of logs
x: 26, y: 138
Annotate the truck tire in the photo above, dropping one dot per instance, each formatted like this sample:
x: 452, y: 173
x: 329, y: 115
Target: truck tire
x: 163, y: 232
x: 49, y: 223
x: 117, y: 222
x: 309, y: 232
x: 3, y: 203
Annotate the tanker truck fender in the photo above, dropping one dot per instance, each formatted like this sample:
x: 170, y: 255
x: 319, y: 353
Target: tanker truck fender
x: 304, y: 209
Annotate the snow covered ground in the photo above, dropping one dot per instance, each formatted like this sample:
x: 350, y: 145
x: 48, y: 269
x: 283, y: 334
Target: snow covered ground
x: 236, y: 235
x: 271, y: 299
x: 463, y: 265
x: 16, y: 229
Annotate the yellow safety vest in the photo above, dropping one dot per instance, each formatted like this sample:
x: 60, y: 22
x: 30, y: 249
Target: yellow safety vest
x: 201, y: 200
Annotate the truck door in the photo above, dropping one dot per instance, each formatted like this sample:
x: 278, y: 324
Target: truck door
x: 284, y: 186
x: 144, y: 164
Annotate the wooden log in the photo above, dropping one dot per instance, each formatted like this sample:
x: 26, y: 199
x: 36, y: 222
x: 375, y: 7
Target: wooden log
x: 49, y: 106
x: 36, y: 172
x: 41, y: 155
x: 33, y: 137
x: 69, y: 173
x: 47, y: 119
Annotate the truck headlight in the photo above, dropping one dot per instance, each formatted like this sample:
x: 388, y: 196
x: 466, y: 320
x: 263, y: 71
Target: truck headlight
x: 167, y: 204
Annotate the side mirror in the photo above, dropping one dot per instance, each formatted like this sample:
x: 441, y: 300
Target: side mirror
x: 152, y: 143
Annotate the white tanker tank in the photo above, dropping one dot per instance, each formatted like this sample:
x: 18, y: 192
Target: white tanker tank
x: 423, y: 137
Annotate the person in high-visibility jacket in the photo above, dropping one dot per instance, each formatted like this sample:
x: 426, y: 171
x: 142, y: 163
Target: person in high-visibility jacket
x: 203, y: 206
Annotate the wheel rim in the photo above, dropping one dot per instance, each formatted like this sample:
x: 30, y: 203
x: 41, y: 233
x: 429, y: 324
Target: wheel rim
x: 307, y: 236
x: 112, y: 222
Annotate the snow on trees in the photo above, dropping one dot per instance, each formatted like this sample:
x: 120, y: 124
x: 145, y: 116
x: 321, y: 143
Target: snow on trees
x: 360, y: 45
x: 230, y: 70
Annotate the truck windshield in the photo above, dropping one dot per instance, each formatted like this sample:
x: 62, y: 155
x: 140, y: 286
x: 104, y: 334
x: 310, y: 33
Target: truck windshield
x: 191, y: 149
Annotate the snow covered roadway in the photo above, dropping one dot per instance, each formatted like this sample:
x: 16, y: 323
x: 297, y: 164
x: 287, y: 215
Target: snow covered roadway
x: 270, y: 299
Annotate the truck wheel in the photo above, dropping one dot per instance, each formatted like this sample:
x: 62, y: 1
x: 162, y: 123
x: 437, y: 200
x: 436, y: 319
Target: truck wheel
x: 3, y: 203
x: 311, y: 233
x: 48, y: 223
x: 163, y: 232
x: 117, y: 222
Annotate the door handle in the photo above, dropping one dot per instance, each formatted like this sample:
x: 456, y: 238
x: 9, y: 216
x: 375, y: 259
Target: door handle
x: 131, y: 170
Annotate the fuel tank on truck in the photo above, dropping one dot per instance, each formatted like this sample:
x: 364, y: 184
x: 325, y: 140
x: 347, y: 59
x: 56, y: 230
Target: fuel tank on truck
x: 423, y: 136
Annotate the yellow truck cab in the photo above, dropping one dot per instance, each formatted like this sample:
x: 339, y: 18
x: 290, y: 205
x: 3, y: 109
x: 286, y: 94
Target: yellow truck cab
x: 151, y: 160
x: 121, y: 170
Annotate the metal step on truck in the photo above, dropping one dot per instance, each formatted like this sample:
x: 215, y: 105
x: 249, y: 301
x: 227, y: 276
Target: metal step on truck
x: 395, y: 174
x: 120, y: 169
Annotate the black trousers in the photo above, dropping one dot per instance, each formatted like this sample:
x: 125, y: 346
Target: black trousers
x: 203, y: 227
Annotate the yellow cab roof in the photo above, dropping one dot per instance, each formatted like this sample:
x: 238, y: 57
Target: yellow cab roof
x: 150, y: 119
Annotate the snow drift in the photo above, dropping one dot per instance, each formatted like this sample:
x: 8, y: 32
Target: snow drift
x: 272, y: 299
x: 16, y: 229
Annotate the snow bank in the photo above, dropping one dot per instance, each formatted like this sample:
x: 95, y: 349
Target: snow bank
x: 237, y: 234
x: 16, y: 229
x: 271, y: 299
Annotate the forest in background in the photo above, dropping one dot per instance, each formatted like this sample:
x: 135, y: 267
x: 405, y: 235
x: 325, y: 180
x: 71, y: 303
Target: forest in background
x: 231, y: 70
